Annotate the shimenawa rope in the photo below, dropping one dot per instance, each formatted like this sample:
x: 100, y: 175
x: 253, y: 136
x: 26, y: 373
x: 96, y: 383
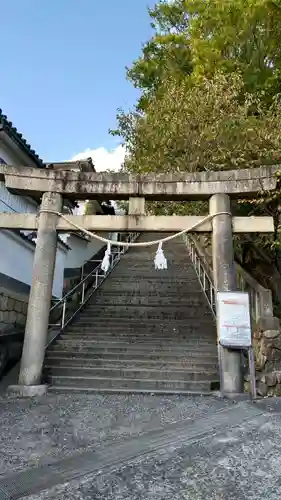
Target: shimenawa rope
x: 160, y: 260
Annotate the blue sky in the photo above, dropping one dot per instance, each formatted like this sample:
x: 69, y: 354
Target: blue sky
x: 63, y: 70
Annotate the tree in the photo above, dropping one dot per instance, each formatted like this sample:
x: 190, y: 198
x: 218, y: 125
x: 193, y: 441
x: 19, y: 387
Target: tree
x: 210, y: 81
x: 198, y: 37
x: 168, y: 51
x: 191, y: 127
x: 186, y: 118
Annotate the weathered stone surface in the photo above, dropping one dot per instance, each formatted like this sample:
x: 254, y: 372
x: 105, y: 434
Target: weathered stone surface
x: 269, y: 345
x: 262, y: 389
x: 18, y: 306
x: 176, y: 186
x: 6, y: 316
x: 271, y: 379
x: 274, y: 355
x: 258, y: 334
x: 12, y: 317
x: 13, y: 307
x: 4, y: 302
x: 271, y: 334
x: 260, y: 361
x: 277, y: 390
x: 268, y: 323
x: 266, y: 346
x: 276, y: 343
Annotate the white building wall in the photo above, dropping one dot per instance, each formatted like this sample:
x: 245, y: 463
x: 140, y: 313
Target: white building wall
x: 17, y: 260
x: 81, y: 251
x: 16, y: 255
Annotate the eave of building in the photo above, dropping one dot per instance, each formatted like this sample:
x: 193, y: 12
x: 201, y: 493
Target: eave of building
x: 17, y: 138
x: 13, y: 141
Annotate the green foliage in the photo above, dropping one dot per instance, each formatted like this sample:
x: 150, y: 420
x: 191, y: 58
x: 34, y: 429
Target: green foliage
x: 210, y: 79
x: 91, y: 207
x: 167, y: 53
x: 201, y: 38
x: 206, y: 126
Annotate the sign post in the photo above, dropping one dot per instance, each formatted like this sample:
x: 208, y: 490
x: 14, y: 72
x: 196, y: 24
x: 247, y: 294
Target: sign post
x: 234, y: 327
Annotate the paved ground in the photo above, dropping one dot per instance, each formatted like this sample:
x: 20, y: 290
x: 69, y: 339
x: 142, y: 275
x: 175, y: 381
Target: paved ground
x: 140, y: 448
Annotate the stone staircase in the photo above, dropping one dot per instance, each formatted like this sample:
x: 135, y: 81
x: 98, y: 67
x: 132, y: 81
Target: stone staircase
x: 142, y: 331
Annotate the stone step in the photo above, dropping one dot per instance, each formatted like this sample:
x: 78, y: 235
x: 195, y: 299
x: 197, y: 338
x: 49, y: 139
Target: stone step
x: 154, y: 280
x: 64, y: 389
x: 173, y: 269
x: 99, y: 346
x: 141, y: 272
x: 96, y: 328
x: 132, y: 307
x: 56, y: 358
x: 148, y: 326
x: 131, y: 373
x: 149, y: 294
x: 178, y: 259
x: 155, y: 314
x: 154, y: 341
x: 125, y: 283
x: 147, y: 385
x: 204, y: 322
x: 106, y: 331
x: 168, y: 337
x: 147, y: 301
x: 184, y: 341
x: 143, y: 331
x: 105, y: 355
x: 127, y: 288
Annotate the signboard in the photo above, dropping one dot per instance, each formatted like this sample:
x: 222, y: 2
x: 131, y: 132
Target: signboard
x: 233, y: 317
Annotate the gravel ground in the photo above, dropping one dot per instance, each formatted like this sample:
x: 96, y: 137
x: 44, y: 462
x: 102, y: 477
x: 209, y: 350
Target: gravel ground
x: 37, y: 432
x: 240, y: 463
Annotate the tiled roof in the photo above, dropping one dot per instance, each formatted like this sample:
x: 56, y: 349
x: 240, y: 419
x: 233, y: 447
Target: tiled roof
x: 17, y: 137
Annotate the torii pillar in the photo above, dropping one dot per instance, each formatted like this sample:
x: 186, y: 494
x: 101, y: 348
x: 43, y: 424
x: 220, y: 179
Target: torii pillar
x: 36, y: 330
x: 224, y: 277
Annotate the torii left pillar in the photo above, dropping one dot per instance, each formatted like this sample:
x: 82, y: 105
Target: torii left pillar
x: 30, y: 377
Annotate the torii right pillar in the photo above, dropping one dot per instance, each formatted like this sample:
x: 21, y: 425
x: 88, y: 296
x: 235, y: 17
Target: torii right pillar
x: 231, y: 374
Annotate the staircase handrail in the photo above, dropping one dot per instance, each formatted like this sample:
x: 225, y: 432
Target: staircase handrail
x: 203, y: 269
x: 261, y: 303
x: 84, y: 290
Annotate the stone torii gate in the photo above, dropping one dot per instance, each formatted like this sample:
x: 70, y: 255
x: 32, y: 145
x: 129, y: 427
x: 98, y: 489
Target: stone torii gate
x: 53, y: 185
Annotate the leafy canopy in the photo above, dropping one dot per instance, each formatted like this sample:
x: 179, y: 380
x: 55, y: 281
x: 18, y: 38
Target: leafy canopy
x: 210, y: 83
x: 191, y: 36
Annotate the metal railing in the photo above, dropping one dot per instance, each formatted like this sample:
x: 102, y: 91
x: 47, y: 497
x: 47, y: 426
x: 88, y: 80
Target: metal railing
x: 261, y: 304
x: 203, y: 271
x: 65, y: 309
x: 260, y: 298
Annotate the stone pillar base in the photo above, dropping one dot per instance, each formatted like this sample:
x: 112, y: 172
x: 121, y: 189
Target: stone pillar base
x: 235, y: 396
x: 27, y: 391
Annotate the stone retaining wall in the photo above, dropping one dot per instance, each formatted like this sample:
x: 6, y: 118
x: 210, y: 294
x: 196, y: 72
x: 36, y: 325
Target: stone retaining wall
x: 267, y: 348
x: 13, y: 308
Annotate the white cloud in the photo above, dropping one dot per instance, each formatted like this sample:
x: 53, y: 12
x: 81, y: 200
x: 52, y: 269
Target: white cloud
x: 103, y: 159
